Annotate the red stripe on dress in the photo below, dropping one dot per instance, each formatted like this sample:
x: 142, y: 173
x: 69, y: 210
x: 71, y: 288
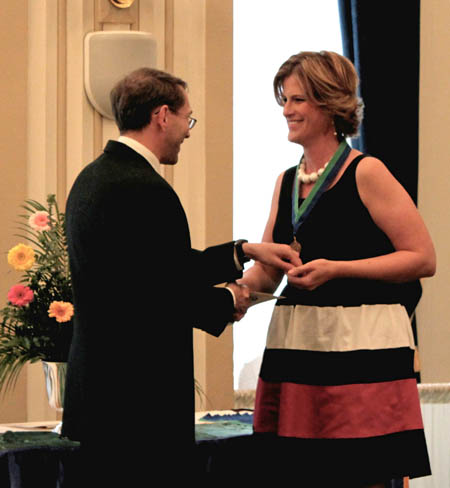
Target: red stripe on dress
x: 336, y: 412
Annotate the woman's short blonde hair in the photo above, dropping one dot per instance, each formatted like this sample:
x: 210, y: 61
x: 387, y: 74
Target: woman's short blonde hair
x: 330, y: 82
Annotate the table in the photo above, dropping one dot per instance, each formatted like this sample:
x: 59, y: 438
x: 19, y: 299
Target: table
x: 32, y: 456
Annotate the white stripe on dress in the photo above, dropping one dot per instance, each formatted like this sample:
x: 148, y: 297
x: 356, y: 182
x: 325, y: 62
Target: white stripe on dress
x: 340, y: 328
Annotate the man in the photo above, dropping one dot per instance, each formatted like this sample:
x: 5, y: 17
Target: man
x: 139, y: 287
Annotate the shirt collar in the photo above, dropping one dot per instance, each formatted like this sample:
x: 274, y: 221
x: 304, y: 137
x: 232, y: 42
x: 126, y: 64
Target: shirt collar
x: 140, y: 149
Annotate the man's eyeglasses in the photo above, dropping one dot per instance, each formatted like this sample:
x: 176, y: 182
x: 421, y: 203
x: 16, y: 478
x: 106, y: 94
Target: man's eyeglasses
x: 191, y: 120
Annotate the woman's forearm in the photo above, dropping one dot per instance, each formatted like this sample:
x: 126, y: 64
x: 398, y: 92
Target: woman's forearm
x: 397, y: 267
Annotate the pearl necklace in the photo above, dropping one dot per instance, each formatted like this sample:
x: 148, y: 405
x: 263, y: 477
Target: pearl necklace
x: 311, y: 177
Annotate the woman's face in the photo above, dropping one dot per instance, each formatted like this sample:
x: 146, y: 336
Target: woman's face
x: 306, y: 121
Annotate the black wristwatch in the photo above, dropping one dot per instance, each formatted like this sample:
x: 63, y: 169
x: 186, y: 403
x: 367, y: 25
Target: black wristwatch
x: 239, y: 251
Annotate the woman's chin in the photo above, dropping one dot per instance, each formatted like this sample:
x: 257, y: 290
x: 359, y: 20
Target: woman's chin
x: 294, y: 138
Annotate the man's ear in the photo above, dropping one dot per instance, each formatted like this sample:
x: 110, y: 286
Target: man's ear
x: 161, y: 117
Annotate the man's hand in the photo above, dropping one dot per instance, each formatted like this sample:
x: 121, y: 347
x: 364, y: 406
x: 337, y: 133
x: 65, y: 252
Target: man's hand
x: 279, y: 256
x: 242, y: 300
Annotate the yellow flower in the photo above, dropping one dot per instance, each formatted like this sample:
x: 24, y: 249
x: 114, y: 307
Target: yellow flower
x: 62, y: 311
x: 21, y: 257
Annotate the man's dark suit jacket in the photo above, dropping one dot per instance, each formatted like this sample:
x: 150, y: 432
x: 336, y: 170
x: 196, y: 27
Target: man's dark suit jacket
x: 139, y: 289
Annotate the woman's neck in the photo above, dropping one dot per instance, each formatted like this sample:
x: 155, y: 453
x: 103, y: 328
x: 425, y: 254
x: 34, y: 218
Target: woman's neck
x: 316, y: 155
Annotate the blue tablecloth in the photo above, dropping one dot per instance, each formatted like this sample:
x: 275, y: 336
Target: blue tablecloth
x: 218, y: 426
x: 43, y: 459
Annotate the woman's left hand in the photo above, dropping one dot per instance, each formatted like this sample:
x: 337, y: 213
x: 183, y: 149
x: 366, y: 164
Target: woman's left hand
x: 311, y: 275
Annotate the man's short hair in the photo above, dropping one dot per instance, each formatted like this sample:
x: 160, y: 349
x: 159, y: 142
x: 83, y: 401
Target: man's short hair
x: 136, y: 96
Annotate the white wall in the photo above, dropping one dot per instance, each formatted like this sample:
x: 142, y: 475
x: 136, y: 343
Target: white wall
x: 261, y: 148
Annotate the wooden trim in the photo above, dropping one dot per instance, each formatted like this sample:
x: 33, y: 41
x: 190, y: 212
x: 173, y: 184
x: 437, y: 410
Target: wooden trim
x: 99, y: 18
x: 168, y: 170
x: 61, y: 97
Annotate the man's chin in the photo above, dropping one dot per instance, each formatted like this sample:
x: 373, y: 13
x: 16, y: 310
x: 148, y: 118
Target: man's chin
x: 169, y: 161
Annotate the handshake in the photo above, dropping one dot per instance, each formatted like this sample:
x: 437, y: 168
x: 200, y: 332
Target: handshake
x: 278, y: 256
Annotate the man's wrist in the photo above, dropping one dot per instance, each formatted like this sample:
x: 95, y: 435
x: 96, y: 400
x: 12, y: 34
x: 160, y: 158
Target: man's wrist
x: 239, y: 252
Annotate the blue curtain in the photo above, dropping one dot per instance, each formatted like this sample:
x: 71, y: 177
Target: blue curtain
x: 382, y: 39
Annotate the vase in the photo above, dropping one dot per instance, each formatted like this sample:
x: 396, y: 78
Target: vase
x: 55, y: 382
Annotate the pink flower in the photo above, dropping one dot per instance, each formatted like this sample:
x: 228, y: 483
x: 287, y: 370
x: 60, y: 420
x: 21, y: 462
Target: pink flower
x: 61, y: 311
x: 40, y: 220
x: 20, y: 295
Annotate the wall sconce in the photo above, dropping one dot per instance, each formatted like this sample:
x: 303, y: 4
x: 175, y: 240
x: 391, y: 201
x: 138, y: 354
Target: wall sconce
x: 122, y: 3
x: 108, y: 57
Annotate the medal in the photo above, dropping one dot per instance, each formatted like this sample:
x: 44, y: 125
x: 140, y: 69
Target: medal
x: 295, y: 245
x: 300, y: 213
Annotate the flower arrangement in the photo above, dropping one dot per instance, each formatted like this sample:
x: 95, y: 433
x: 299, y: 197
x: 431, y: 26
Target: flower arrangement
x: 36, y: 324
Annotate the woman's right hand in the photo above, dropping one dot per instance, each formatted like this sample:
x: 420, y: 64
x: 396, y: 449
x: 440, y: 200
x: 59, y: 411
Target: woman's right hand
x: 311, y: 275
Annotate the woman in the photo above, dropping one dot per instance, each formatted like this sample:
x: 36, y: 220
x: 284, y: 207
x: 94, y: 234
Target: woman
x: 337, y: 393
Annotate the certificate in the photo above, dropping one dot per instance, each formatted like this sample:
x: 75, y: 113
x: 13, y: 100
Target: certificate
x: 259, y: 297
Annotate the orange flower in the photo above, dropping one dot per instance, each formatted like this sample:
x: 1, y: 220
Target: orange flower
x: 62, y: 311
